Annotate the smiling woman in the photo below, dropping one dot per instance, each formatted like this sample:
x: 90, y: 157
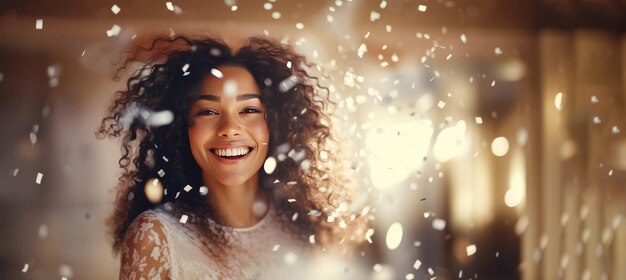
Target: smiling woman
x: 212, y: 212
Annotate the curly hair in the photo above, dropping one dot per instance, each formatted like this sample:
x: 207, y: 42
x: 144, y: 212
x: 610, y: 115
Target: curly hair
x: 297, y: 118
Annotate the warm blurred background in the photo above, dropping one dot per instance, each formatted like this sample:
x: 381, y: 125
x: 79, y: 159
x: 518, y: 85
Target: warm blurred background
x: 488, y: 136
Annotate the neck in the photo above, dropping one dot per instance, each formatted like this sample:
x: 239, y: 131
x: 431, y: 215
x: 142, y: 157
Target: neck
x: 235, y: 202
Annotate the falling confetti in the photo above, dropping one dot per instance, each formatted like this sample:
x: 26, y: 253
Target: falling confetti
x: 594, y: 99
x: 183, y: 219
x: 217, y: 73
x: 394, y: 236
x: 203, y: 190
x: 43, y: 231
x: 114, y: 31
x: 463, y: 38
x: 287, y: 84
x: 422, y: 8
x: 470, y: 249
x: 374, y: 16
x: 362, y: 50
x: 558, y: 100
x: 39, y: 24
x: 25, y: 269
x: 479, y: 120
x: 276, y: 15
x: 33, y: 138
x: 497, y: 51
x: 417, y: 264
x: 300, y: 25
x: 615, y: 129
x: 115, y: 9
x: 275, y: 248
x: 439, y: 224
x: 596, y: 120
x: 270, y: 165
x: 38, y: 179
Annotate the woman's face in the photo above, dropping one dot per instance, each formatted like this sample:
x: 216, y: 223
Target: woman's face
x: 228, y: 133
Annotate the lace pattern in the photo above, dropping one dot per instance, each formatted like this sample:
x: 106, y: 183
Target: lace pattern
x: 145, y: 251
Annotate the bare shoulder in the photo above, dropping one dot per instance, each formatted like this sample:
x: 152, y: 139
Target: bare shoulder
x: 145, y: 251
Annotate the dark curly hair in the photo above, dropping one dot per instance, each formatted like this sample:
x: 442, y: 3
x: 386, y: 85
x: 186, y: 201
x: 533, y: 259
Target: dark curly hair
x: 297, y: 116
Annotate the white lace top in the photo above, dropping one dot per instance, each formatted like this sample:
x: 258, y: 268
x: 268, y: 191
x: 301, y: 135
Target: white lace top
x: 158, y: 246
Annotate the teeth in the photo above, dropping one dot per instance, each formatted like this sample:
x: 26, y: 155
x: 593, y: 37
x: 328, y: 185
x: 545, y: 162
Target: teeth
x: 232, y: 152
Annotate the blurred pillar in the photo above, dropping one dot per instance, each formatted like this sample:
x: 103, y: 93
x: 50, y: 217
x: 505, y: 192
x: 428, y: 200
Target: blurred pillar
x: 555, y: 67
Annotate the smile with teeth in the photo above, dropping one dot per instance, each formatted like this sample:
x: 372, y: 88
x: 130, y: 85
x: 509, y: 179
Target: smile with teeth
x: 232, y: 152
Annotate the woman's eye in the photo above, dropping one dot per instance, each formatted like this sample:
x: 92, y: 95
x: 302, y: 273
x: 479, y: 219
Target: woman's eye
x: 206, y: 112
x: 251, y: 110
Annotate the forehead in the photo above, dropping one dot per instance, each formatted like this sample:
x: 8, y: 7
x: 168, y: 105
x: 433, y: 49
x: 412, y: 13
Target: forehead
x: 235, y: 78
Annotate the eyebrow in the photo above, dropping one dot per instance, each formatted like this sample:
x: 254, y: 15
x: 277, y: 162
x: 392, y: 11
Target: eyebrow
x: 241, y: 97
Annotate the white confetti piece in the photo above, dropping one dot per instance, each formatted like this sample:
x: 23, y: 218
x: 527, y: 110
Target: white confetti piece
x: 165, y: 159
x: 431, y: 271
x: 497, y: 51
x: 463, y: 38
x: 417, y: 264
x: 187, y: 188
x: 470, y: 249
x: 615, y: 129
x: 43, y: 231
x: 38, y: 179
x: 114, y: 31
x: 362, y: 50
x: 374, y: 16
x: 368, y: 235
x: 312, y: 239
x: 183, y: 219
x: 276, y: 15
x: 478, y: 120
x: 203, y: 190
x: 291, y: 200
x: 270, y: 165
x: 39, y: 24
x: 267, y: 6
x: 596, y: 120
x: 383, y: 4
x: 394, y: 236
x: 25, y: 269
x: 594, y: 99
x: 611, y: 172
x: 441, y: 104
x: 33, y: 138
x: 300, y: 25
x: 449, y: 56
x: 388, y: 29
x: 558, y: 101
x: 259, y: 208
x: 161, y: 173
x: 217, y: 73
x: 276, y: 247
x: 115, y: 9
x: 294, y: 217
x: 287, y: 84
x: 409, y: 276
x: 493, y: 83
x: 422, y: 8
x: 439, y: 224
x: 15, y: 171
x: 169, y: 6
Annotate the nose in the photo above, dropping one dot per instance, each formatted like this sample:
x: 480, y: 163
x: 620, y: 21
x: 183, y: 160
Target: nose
x: 229, y: 127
